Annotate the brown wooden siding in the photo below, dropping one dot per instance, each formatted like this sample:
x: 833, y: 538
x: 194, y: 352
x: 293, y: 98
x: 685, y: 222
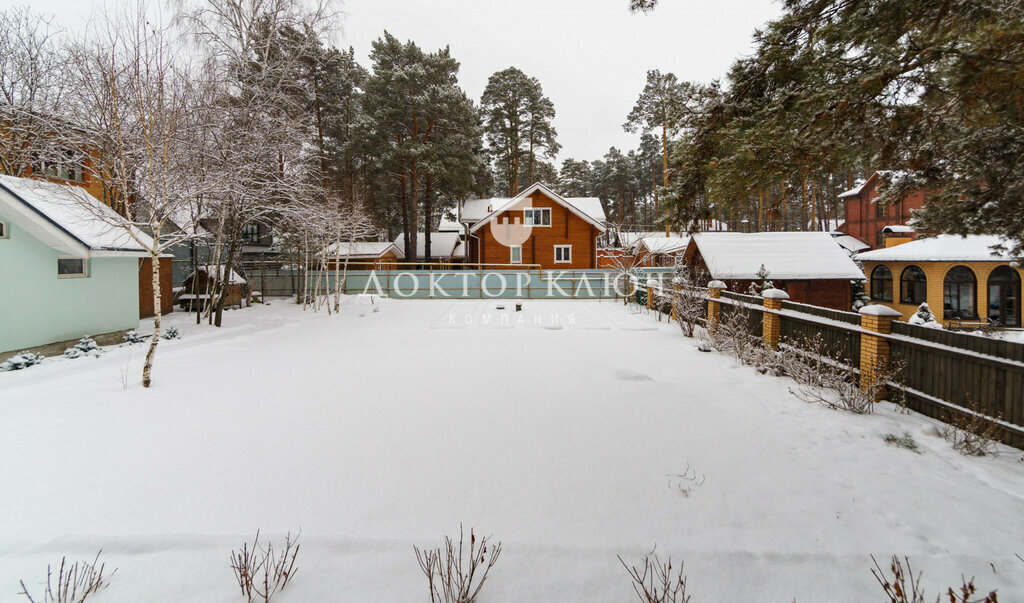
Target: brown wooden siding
x: 146, y: 288
x: 566, y: 229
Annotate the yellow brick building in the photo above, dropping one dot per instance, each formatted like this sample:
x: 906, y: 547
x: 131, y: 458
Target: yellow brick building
x: 960, y: 278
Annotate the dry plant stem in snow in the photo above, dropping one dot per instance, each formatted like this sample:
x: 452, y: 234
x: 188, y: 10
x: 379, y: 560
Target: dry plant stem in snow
x: 971, y: 433
x: 823, y: 378
x: 74, y: 583
x: 689, y: 299
x: 261, y: 573
x: 456, y: 575
x: 731, y: 336
x: 656, y: 582
x: 903, y: 587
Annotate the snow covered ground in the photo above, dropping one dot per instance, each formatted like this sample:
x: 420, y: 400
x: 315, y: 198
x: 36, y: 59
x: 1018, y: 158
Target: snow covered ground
x: 561, y: 430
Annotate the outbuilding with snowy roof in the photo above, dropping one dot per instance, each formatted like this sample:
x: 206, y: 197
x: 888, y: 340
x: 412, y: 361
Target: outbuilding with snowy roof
x: 363, y: 255
x: 69, y: 264
x: 810, y: 266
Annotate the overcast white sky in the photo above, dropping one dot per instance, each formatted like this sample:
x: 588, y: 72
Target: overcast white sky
x: 591, y: 56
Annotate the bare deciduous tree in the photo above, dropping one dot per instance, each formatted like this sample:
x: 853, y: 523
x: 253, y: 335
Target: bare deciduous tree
x: 32, y: 89
x: 128, y: 125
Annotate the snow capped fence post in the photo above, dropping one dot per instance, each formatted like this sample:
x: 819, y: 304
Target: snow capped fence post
x: 874, y: 351
x: 771, y: 323
x: 714, y: 306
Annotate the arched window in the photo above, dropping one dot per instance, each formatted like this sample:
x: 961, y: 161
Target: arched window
x: 881, y: 284
x: 1004, y: 297
x: 913, y: 286
x: 958, y: 294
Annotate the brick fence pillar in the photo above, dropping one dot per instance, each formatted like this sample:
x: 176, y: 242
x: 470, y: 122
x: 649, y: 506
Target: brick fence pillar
x: 874, y: 351
x: 714, y: 306
x: 650, y: 294
x: 771, y: 323
x: 677, y: 288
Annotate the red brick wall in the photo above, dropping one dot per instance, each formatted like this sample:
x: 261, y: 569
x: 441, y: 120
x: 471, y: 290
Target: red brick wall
x: 862, y: 220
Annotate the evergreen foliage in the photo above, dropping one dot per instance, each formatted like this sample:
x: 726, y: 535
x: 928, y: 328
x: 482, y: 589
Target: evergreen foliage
x: 933, y: 91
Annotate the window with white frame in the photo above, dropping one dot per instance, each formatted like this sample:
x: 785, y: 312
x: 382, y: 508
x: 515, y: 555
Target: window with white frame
x: 563, y: 254
x: 515, y: 254
x: 67, y: 168
x: 537, y: 216
x: 72, y: 267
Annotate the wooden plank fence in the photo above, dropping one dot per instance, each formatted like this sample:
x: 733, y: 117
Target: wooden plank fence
x: 944, y: 373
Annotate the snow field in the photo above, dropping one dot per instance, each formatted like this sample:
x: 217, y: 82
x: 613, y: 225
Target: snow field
x: 564, y: 436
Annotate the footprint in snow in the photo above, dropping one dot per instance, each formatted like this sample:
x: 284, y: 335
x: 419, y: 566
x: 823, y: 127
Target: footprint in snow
x: 631, y: 376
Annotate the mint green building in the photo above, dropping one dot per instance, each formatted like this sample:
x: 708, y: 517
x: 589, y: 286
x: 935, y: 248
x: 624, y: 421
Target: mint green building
x: 68, y: 268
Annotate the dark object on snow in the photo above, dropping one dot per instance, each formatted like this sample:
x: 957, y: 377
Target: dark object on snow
x: 703, y: 348
x: 501, y: 307
x: 519, y: 307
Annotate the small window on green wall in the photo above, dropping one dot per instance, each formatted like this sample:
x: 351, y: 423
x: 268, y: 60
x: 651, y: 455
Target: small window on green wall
x: 72, y: 267
x: 3, y: 230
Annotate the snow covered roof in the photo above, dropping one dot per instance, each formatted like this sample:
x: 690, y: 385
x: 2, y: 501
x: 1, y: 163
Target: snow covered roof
x: 786, y: 255
x: 442, y: 244
x: 942, y: 248
x: 858, y: 188
x: 476, y: 211
x: 862, y: 185
x: 363, y: 249
x: 663, y: 244
x: 182, y: 220
x: 898, y: 229
x: 447, y: 225
x: 629, y: 238
x: 69, y: 219
x: 849, y: 242
x: 236, y: 279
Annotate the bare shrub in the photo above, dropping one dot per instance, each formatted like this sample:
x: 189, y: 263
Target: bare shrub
x: 823, y: 377
x: 971, y: 433
x: 656, y: 581
x: 260, y: 572
x: 730, y: 335
x: 74, y: 582
x: 457, y: 573
x: 689, y: 298
x: 903, y: 587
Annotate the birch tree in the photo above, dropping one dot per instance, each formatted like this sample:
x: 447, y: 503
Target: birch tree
x: 130, y: 111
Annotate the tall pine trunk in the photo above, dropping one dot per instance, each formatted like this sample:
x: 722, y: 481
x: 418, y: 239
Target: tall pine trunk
x: 426, y: 219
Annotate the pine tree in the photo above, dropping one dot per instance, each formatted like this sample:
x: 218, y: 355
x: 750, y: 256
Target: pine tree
x: 517, y: 122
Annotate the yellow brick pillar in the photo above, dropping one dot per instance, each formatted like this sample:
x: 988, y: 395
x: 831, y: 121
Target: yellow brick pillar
x: 714, y: 306
x: 676, y: 287
x: 874, y: 350
x: 650, y: 295
x: 771, y: 323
